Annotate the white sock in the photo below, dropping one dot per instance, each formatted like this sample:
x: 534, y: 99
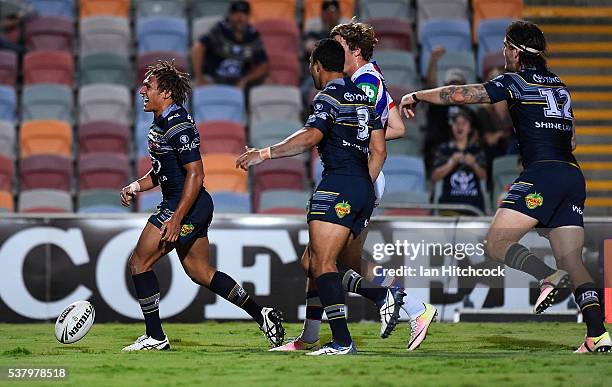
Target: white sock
x: 413, y: 306
x: 311, y: 330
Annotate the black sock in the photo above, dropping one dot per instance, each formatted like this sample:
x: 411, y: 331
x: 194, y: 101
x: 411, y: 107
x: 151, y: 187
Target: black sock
x: 353, y: 282
x: 332, y: 298
x: 147, y: 291
x: 314, y: 309
x: 520, y: 258
x: 587, y: 298
x: 226, y: 287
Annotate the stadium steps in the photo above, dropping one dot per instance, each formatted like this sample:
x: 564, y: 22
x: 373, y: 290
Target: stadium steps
x: 579, y: 33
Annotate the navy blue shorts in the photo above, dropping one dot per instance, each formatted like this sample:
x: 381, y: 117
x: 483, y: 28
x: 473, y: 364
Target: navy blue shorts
x: 344, y: 200
x: 553, y: 192
x: 194, y: 225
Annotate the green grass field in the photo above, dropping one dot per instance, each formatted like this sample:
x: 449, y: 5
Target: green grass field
x: 228, y: 354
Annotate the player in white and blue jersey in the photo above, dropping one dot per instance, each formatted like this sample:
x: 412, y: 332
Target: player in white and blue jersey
x: 550, y: 192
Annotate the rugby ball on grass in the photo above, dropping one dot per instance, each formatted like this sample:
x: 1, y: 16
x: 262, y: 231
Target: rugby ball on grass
x: 74, y: 322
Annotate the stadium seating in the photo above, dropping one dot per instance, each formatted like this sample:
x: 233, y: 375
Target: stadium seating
x: 494, y: 9
x: 312, y: 13
x: 45, y: 200
x: 105, y: 34
x: 452, y: 34
x: 8, y: 67
x: 7, y: 171
x: 222, y: 137
x: 53, y: 67
x: 489, y: 62
x: 272, y: 9
x: 49, y: 33
x: 201, y: 26
x: 209, y: 8
x: 405, y: 199
x: 141, y: 138
x: 144, y: 166
x: 284, y: 68
x: 278, y: 35
x: 45, y: 137
x: 270, y: 102
x: 267, y: 133
x: 287, y: 174
x: 53, y: 7
x: 105, y: 7
x: 7, y: 139
x: 404, y: 174
x: 283, y: 202
x: 6, y: 202
x: 463, y: 60
x: 491, y: 34
x: 505, y: 170
x: 105, y: 68
x: 373, y: 9
x: 145, y: 8
x: 221, y: 174
x: 149, y: 58
x: 407, y: 146
x: 100, y: 201
x: 446, y: 9
x: 231, y: 202
x: 399, y: 67
x: 103, y: 171
x: 162, y: 33
x: 219, y: 102
x: 103, y: 136
x: 101, y: 102
x: 149, y: 200
x: 393, y: 34
x: 45, y: 172
x: 47, y: 102
x: 8, y: 103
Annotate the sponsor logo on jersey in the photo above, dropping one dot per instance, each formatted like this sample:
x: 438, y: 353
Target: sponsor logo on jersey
x: 542, y: 79
x: 184, y: 139
x: 350, y: 97
x: 342, y: 209
x: 534, y: 200
x: 177, y: 115
x: 577, y: 209
x: 370, y: 90
x: 186, y: 229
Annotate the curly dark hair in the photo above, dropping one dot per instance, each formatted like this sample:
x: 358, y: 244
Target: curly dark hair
x: 528, y: 37
x: 357, y: 35
x: 171, y: 79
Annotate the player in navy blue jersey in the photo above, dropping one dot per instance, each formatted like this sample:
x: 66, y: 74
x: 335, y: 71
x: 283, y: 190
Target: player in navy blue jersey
x: 550, y: 192
x: 182, y: 218
x: 345, y: 127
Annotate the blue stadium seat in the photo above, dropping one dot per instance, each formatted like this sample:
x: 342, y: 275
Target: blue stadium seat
x: 53, y: 7
x: 209, y: 8
x: 161, y: 33
x: 231, y: 202
x: 404, y: 173
x: 149, y: 200
x: 141, y: 138
x: 8, y: 103
x: 457, y: 60
x: 283, y: 201
x: 491, y: 34
x: 374, y: 9
x: 452, y: 34
x: 274, y: 102
x: 47, y: 102
x: 219, y: 102
x: 145, y: 8
x: 270, y: 132
x: 100, y: 201
x: 398, y: 67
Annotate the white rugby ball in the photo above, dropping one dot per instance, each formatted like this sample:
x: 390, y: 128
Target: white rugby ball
x: 74, y: 322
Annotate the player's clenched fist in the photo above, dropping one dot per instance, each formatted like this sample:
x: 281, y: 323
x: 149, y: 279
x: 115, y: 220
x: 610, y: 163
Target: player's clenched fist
x: 407, y: 105
x: 128, y: 193
x: 252, y: 156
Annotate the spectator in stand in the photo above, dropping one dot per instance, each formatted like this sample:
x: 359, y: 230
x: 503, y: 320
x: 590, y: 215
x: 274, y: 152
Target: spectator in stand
x: 496, y: 125
x: 438, y: 116
x: 460, y: 163
x: 232, y: 52
x: 11, y: 22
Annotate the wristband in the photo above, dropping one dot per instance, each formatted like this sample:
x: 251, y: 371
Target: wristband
x: 265, y: 153
x: 134, y: 187
x: 415, y: 98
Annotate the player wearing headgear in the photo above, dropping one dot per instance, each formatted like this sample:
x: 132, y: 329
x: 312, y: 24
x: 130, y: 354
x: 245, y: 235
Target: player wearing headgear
x: 182, y: 218
x: 359, y: 41
x: 346, y: 129
x: 550, y: 192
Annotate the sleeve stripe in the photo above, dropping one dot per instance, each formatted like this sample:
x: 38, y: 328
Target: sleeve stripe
x: 177, y: 129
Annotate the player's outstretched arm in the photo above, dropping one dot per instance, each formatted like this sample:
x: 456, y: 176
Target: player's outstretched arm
x: 145, y: 183
x: 378, y: 153
x: 446, y: 95
x: 295, y: 144
x: 395, y: 125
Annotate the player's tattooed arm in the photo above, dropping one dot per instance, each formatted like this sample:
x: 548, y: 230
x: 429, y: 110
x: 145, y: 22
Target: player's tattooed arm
x: 463, y: 94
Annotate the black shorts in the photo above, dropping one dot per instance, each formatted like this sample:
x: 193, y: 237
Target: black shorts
x: 344, y: 200
x: 194, y: 225
x: 553, y: 192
